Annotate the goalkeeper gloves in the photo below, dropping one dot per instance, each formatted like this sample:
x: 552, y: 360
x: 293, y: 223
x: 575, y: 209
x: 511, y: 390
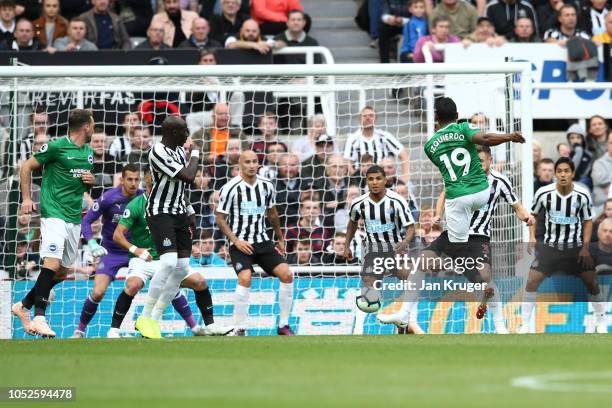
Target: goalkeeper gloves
x: 96, y: 249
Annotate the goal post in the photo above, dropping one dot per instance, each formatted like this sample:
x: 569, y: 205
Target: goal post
x: 401, y: 94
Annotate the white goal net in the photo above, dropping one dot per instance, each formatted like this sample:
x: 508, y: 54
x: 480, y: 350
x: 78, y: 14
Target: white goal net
x: 286, y: 114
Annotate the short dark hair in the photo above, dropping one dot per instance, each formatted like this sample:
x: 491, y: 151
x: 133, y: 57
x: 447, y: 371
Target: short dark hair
x: 78, y: 19
x: 8, y: 3
x: 566, y: 160
x: 99, y: 129
x: 568, y: 5
x: 545, y: 160
x: 446, y: 109
x: 131, y: 167
x: 207, y: 51
x: 205, y: 234
x: 77, y: 118
x: 413, y: 2
x: 375, y: 169
x: 438, y: 20
x: 366, y: 157
x: 342, y: 234
x: 293, y: 11
x: 484, y: 149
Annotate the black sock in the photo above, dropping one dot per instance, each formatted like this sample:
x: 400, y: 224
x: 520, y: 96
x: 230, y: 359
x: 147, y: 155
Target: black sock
x: 43, y: 286
x: 122, y: 305
x: 30, y: 298
x: 204, y: 301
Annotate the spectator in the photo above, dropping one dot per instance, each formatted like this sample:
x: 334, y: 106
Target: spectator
x: 199, y: 36
x: 545, y: 172
x: 405, y: 192
x: 136, y: 16
x: 564, y: 150
x: 309, y: 227
x: 140, y: 143
x: 250, y: 39
x: 75, y: 41
x: 376, y: 142
x: 333, y: 187
x: 27, y: 261
x: 39, y: 125
x: 268, y: 130
x: 224, y: 162
x: 359, y: 178
x: 272, y: 15
x: 548, y: 14
x: 582, y: 158
x: 426, y: 223
x: 7, y: 21
x: 462, y: 17
x: 594, y: 16
x: 289, y: 185
x: 439, y: 35
x: 212, y: 142
x: 606, y: 36
x: 295, y: 36
x: 208, y: 221
x: 484, y: 33
x: 30, y: 146
x: 269, y: 167
x: 228, y: 23
x: 504, y: 14
x: 335, y: 252
x: 524, y: 31
x: 120, y: 147
x: 341, y: 217
x: 106, y: 170
x: 602, y: 175
x: 536, y: 153
x: 413, y: 30
x: 605, y: 214
x: 210, y: 8
x: 596, y: 138
x: 177, y: 23
x: 313, y: 168
x: 155, y: 38
x: 395, y: 15
x: 24, y: 38
x: 305, y: 146
x: 390, y: 168
x: 104, y: 28
x: 51, y: 25
x: 567, y: 27
x: 304, y: 255
x: 203, y: 103
x: 203, y: 252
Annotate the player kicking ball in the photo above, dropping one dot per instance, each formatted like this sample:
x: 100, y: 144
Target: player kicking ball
x: 110, y: 206
x: 144, y: 263
x: 67, y: 163
x: 569, y: 225
x: 244, y: 204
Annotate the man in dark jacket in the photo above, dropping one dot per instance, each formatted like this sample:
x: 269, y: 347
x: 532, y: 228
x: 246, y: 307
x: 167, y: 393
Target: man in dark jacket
x: 504, y: 14
x: 104, y: 27
x: 24, y: 38
x: 199, y: 36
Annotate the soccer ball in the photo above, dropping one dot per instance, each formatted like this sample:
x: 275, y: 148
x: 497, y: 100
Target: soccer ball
x: 369, y: 301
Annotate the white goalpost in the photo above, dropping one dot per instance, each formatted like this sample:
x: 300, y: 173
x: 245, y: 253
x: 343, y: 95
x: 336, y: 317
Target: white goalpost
x: 402, y: 96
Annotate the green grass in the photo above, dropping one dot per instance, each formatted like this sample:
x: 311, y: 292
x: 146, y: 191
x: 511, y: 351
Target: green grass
x: 371, y: 371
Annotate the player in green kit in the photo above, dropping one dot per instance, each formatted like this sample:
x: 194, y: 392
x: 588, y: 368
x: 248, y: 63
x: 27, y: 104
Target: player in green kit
x: 144, y: 261
x: 453, y: 150
x: 67, y: 163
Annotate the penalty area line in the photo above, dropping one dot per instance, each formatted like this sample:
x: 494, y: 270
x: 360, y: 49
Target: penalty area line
x: 566, y: 382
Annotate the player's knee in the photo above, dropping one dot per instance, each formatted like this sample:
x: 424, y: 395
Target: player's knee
x: 196, y: 282
x: 97, y: 294
x: 244, y: 278
x: 133, y: 286
x: 53, y: 264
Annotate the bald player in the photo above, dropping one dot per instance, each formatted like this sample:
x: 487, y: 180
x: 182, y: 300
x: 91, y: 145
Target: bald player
x: 244, y: 204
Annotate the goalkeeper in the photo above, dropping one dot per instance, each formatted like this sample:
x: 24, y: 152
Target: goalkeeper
x: 144, y: 263
x: 110, y: 207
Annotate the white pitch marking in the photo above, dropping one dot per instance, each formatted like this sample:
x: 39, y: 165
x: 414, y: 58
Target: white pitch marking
x: 560, y: 382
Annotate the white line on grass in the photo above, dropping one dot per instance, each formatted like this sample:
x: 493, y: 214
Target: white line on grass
x: 566, y: 382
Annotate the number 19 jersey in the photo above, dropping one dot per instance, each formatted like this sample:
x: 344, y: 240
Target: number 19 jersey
x: 451, y: 149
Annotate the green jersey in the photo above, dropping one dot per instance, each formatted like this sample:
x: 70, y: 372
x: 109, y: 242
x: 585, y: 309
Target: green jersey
x: 62, y: 188
x: 134, y: 219
x: 451, y: 149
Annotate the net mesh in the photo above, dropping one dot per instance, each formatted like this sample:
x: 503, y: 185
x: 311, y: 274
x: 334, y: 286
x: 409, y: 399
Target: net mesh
x: 129, y: 112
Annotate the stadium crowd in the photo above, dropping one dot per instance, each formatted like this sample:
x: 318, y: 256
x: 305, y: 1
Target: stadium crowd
x: 316, y: 176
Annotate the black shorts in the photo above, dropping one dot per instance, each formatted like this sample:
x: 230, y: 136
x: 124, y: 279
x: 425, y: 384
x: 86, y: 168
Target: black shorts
x: 264, y: 255
x: 550, y: 261
x: 478, y: 246
x: 170, y: 232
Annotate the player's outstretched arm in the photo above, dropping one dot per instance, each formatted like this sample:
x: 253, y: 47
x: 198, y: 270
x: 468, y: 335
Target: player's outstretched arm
x: 25, y: 184
x: 188, y: 173
x: 272, y: 214
x: 121, y: 240
x: 494, y: 139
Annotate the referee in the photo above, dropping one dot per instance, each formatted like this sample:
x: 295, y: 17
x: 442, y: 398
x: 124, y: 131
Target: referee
x: 168, y: 217
x: 244, y: 204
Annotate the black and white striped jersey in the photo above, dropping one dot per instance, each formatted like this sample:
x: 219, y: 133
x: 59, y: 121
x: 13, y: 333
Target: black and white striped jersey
x: 246, y: 206
x: 499, y: 187
x: 168, y: 192
x: 385, y: 221
x: 564, y: 214
x: 379, y: 146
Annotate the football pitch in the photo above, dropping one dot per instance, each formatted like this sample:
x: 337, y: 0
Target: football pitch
x: 331, y: 371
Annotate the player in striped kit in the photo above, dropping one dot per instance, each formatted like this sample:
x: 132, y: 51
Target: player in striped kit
x: 389, y: 228
x: 244, y: 204
x: 169, y: 219
x: 479, y: 241
x: 569, y: 224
